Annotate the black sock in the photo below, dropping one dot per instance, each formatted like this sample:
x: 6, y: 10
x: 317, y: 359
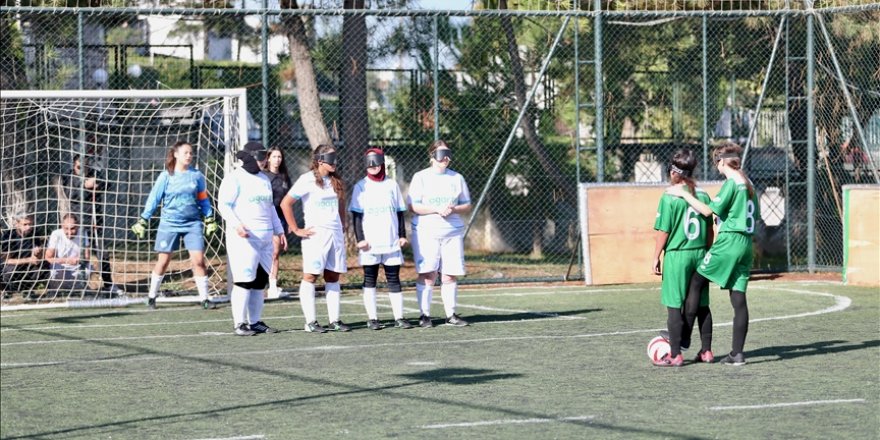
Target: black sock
x: 740, y: 320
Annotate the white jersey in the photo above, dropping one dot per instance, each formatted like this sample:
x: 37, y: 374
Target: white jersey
x: 379, y: 202
x: 66, y: 248
x: 438, y: 191
x: 246, y: 199
x: 320, y: 204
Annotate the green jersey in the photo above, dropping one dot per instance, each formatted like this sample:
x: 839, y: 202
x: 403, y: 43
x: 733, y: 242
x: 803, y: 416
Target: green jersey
x: 685, y: 225
x: 735, y: 208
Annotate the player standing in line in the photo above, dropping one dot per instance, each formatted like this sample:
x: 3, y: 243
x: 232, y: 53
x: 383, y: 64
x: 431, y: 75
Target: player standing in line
x: 276, y: 171
x: 377, y: 209
x: 182, y: 191
x: 729, y: 260
x: 438, y: 196
x: 322, y: 194
x: 245, y: 202
x: 683, y: 235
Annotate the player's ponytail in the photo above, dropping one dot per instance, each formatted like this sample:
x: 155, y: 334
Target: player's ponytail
x: 731, y: 154
x: 681, y: 168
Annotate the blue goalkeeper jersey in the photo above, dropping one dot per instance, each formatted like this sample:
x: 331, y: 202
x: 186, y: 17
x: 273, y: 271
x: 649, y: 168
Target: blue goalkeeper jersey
x: 184, y: 200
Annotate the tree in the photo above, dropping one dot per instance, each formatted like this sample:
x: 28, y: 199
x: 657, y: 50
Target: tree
x: 353, y: 90
x: 306, y: 82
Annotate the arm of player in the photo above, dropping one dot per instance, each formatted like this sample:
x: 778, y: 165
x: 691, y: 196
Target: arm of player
x: 679, y: 191
x: 287, y: 208
x: 660, y: 238
x: 155, y: 196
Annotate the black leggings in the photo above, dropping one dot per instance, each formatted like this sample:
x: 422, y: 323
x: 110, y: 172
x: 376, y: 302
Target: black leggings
x: 694, y: 312
x: 740, y: 320
x: 392, y: 274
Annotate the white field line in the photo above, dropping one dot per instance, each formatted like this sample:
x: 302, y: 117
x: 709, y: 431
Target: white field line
x: 246, y: 437
x: 505, y: 422
x: 841, y: 303
x: 788, y: 404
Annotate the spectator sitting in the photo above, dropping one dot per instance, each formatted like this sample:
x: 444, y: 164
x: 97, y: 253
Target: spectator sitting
x: 22, y: 255
x: 69, y: 254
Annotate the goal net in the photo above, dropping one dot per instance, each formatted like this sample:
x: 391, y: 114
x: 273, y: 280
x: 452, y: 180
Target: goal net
x: 96, y: 155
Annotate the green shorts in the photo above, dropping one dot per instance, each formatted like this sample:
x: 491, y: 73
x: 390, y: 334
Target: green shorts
x: 729, y: 261
x: 678, y: 267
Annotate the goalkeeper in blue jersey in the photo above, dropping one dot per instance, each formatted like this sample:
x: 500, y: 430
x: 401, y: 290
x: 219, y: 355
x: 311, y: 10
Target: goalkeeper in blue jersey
x: 186, y: 213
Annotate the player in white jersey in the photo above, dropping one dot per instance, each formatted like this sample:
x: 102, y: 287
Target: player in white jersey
x: 245, y: 202
x: 322, y: 194
x: 438, y: 196
x: 377, y: 209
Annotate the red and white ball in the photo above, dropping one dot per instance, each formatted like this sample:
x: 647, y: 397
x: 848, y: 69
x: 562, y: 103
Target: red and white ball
x: 657, y: 348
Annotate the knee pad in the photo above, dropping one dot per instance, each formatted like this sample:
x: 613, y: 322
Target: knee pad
x: 392, y: 274
x: 371, y: 273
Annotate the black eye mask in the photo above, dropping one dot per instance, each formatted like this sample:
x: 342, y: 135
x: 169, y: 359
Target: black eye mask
x: 328, y: 158
x: 374, y: 160
x: 718, y: 157
x: 441, y: 154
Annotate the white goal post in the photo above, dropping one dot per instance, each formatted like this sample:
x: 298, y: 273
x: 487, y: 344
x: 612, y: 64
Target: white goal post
x: 119, y: 140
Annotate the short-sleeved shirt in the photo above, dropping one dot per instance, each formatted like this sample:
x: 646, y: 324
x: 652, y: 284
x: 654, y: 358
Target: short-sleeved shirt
x: 184, y: 200
x: 320, y: 203
x: 379, y: 202
x: 66, y: 247
x: 735, y: 208
x: 246, y: 198
x: 686, y: 227
x: 438, y: 190
x: 14, y: 246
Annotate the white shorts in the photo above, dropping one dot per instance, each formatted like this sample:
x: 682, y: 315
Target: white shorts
x: 245, y: 254
x: 324, y: 250
x: 389, y: 259
x: 445, y: 254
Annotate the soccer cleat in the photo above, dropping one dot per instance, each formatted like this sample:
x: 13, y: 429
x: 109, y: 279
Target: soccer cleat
x: 115, y: 290
x: 374, y: 324
x: 151, y: 303
x: 684, y: 344
x: 456, y: 321
x: 261, y: 327
x: 244, y: 330
x: 425, y: 321
x: 314, y: 327
x: 207, y: 304
x: 669, y: 361
x: 339, y: 326
x: 402, y: 323
x: 276, y: 293
x: 735, y: 360
x: 705, y: 356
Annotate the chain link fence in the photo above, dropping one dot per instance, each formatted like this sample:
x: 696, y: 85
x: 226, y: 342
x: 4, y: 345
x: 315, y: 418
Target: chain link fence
x: 516, y: 94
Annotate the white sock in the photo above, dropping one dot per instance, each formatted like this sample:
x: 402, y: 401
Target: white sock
x: 307, y: 300
x: 255, y: 306
x: 155, y: 282
x: 370, y: 302
x: 238, y: 303
x: 396, y: 304
x: 424, y: 292
x: 333, y: 296
x: 273, y: 283
x: 202, y: 286
x: 448, y: 292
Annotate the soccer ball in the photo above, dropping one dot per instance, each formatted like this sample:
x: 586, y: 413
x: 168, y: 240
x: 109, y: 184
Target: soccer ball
x: 657, y: 348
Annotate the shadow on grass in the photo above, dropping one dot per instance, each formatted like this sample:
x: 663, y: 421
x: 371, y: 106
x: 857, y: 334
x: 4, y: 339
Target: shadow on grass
x: 786, y: 352
x: 83, y: 318
x: 461, y: 376
x: 475, y: 319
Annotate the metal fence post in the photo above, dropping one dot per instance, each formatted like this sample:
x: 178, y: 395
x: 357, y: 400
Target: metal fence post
x: 811, y: 143
x: 599, y: 100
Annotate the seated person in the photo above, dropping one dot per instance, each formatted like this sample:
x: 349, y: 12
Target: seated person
x: 22, y: 255
x: 69, y: 254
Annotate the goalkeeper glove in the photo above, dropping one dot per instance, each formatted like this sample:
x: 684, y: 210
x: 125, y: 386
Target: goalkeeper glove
x: 140, y: 228
x: 211, y: 226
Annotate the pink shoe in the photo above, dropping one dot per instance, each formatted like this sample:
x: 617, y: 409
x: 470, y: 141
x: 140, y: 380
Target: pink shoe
x: 668, y: 361
x: 705, y: 356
